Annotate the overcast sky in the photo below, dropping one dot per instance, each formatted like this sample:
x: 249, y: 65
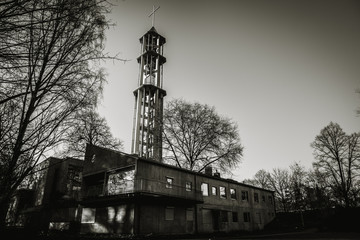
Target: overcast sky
x: 282, y: 70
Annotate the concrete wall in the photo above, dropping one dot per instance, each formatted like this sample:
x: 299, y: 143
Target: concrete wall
x: 154, y: 219
x: 98, y: 159
x: 212, y: 211
x: 215, y: 213
x: 56, y: 178
x: 151, y: 177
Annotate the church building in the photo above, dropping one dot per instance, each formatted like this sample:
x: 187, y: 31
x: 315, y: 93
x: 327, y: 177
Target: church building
x: 119, y: 193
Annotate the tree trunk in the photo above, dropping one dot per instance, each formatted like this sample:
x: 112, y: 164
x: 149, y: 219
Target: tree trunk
x: 4, y: 206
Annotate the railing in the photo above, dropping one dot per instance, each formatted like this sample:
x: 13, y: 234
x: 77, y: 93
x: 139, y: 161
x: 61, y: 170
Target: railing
x: 145, y: 186
x: 94, y: 191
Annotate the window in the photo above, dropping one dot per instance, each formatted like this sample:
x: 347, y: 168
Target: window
x: 258, y: 217
x: 116, y: 214
x: 169, y: 213
x: 169, y: 182
x: 256, y: 197
x: 263, y: 198
x: 224, y: 216
x: 222, y: 192
x: 74, y: 178
x: 88, y: 215
x: 234, y: 216
x: 189, y: 214
x: 39, y: 196
x: 59, y: 226
x: 213, y: 191
x: 121, y: 181
x: 245, y: 195
x: 270, y: 199
x: 205, y: 189
x: 233, y: 193
x: 246, y: 216
x: 188, y: 186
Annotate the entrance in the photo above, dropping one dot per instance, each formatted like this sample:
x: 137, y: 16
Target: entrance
x: 216, y: 220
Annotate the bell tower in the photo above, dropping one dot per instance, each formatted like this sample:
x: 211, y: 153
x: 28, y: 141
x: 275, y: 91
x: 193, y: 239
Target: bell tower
x: 148, y: 110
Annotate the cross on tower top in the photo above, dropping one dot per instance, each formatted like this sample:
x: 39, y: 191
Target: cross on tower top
x: 153, y: 15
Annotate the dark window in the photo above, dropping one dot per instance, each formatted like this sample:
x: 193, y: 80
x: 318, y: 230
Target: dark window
x: 234, y: 216
x: 246, y: 217
x: 214, y: 191
x: 233, y: 193
x: 169, y: 213
x: 245, y: 195
x: 189, y: 214
x: 74, y: 178
x: 222, y: 192
x: 263, y: 198
x: 258, y: 217
x: 169, y: 182
x: 256, y: 197
x: 270, y: 199
x: 224, y: 216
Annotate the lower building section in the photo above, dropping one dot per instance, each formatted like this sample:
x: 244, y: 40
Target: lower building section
x: 212, y: 219
x: 144, y: 217
x: 140, y: 216
x: 110, y: 219
x: 172, y: 219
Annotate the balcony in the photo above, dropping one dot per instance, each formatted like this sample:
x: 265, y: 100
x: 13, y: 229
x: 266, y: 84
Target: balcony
x: 152, y: 188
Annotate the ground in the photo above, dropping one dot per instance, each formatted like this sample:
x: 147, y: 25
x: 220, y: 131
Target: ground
x: 311, y: 233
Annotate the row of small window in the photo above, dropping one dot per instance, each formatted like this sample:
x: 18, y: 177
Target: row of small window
x: 170, y: 184
x: 222, y: 191
x: 170, y: 214
x: 223, y: 215
x: 233, y: 195
x: 246, y: 216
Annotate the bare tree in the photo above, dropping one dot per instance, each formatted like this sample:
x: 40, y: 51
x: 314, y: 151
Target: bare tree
x: 89, y: 128
x: 298, y: 176
x: 338, y: 158
x: 260, y: 179
x: 48, y: 71
x: 280, y: 182
x: 318, y: 190
x: 195, y: 136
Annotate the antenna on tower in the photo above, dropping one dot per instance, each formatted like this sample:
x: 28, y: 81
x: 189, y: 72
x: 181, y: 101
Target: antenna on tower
x: 153, y: 15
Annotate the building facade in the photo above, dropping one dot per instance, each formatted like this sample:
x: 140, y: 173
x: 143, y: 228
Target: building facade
x: 53, y: 201
x: 126, y: 194
x: 119, y: 193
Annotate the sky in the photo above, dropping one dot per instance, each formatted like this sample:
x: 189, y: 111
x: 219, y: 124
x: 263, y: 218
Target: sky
x: 281, y: 70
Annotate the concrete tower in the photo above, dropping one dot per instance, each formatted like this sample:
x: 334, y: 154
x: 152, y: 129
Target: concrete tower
x: 148, y: 112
